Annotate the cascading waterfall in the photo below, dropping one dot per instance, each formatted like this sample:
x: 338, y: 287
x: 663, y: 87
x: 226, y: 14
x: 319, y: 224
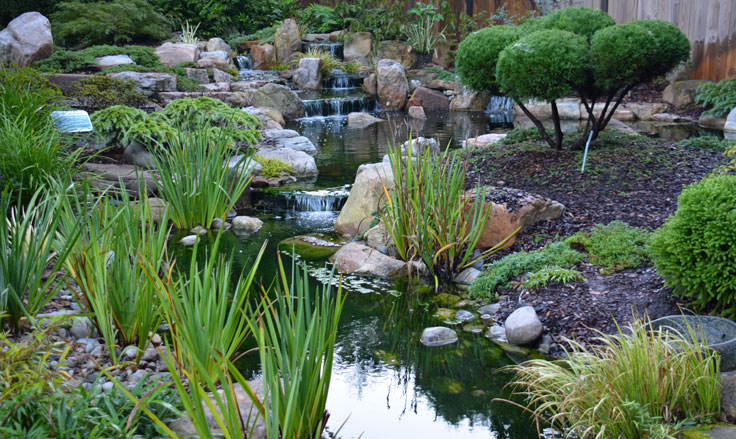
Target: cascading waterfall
x: 338, y: 106
x: 244, y: 62
x: 334, y: 49
x: 322, y: 200
x: 500, y: 109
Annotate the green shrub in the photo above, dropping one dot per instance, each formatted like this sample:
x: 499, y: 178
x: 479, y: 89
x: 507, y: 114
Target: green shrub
x: 193, y: 112
x: 442, y: 74
x: 142, y: 55
x: 421, y: 29
x: 521, y: 135
x: 382, y: 18
x: 579, y: 20
x: 112, y: 123
x: 718, y: 97
x: 542, y: 277
x: 26, y: 93
x: 714, y: 143
x: 273, y: 167
x: 609, y: 46
x: 694, y: 250
x: 633, y: 385
x: 497, y: 274
x: 81, y: 24
x: 478, y: 54
x: 102, y: 91
x: 613, y: 247
x: 320, y: 19
x: 154, y: 129
x: 67, y: 61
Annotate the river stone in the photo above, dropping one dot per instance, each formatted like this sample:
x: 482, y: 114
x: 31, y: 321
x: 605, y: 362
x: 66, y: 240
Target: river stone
x: 149, y: 82
x: 467, y: 276
x: 438, y: 336
x: 263, y: 57
x: 26, y: 39
x: 463, y: 315
x: 369, y: 84
x: 309, y: 75
x: 302, y: 163
x: 484, y: 140
x: 523, y: 326
x: 357, y: 47
x: 246, y: 224
x: 280, y: 98
x: 184, y: 427
x: 429, y: 99
x: 298, y: 143
x: 730, y: 125
x: 309, y: 247
x: 362, y: 120
x: 81, y: 328
x: 681, y: 94
x: 218, y: 44
x: 397, y: 51
x: 189, y: 240
x: 113, y: 60
x: 378, y: 237
x: 491, y: 308
x: 391, y: 84
x: 366, y: 196
x: 287, y: 40
x: 355, y: 258
x: 416, y: 112
x: 173, y: 54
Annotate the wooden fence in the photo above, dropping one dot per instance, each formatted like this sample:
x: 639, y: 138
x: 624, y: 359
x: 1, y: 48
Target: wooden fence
x: 709, y: 24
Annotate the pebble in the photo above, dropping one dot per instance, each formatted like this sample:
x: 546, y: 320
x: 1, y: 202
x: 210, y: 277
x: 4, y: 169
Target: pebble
x: 464, y: 315
x: 189, y: 240
x: 156, y: 339
x: 491, y: 308
x: 108, y: 386
x: 199, y: 230
x: 150, y: 354
x: 130, y: 352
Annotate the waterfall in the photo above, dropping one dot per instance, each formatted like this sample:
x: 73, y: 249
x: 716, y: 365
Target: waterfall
x: 339, y: 106
x: 243, y: 62
x: 501, y: 109
x: 322, y: 200
x: 334, y: 49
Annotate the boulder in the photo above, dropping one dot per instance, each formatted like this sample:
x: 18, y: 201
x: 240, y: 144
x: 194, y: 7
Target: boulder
x: 514, y: 209
x: 217, y: 87
x: 157, y: 206
x: 355, y: 258
x: 681, y: 94
x: 397, y: 51
x: 184, y: 427
x: 149, y: 82
x: 218, y: 44
x: 424, y: 76
x: 420, y: 144
x: 310, y: 247
x: 709, y: 121
x: 302, y: 163
x: 247, y: 85
x: 642, y: 110
x: 218, y: 59
x: 378, y: 237
x: 263, y: 57
x: 199, y: 75
x: 173, y: 54
x: 443, y: 54
x: 113, y: 60
x: 369, y: 84
x: 287, y: 40
x: 357, y: 47
x: 313, y: 38
x: 366, y: 196
x: 429, y: 99
x: 469, y: 100
x: 220, y: 76
x: 730, y: 125
x: 416, y: 112
x: 362, y: 120
x: 106, y: 176
x: 523, y: 326
x: 26, y: 39
x: 391, y: 84
x: 483, y: 140
x: 138, y: 155
x: 308, y: 76
x: 728, y: 395
x: 297, y: 143
x: 467, y: 276
x: 246, y: 224
x: 438, y: 336
x: 234, y: 99
x: 281, y: 98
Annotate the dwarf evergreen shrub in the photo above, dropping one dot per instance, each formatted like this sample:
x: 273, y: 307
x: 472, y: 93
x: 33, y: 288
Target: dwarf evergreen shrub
x: 695, y: 250
x: 477, y: 56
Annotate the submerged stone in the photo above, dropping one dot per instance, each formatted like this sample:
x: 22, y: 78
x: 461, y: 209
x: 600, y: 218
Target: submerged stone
x: 309, y: 247
x: 438, y: 336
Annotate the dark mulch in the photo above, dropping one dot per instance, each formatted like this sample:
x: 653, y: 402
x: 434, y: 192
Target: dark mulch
x: 637, y: 181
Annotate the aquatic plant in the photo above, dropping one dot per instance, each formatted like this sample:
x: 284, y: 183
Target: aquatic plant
x: 636, y: 384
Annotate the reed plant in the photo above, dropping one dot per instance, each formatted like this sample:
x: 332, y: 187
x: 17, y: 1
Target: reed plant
x: 30, y: 260
x: 296, y: 341
x: 118, y: 240
x: 428, y: 214
x: 197, y: 178
x: 207, y: 314
x: 639, y: 384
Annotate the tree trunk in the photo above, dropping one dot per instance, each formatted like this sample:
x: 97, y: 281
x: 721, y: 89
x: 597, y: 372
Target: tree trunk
x: 539, y: 125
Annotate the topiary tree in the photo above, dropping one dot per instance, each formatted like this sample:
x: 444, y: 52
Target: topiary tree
x: 695, y: 250
x: 613, y: 59
x: 477, y: 56
x: 548, y: 65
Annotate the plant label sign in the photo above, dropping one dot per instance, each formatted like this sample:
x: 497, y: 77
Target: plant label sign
x: 72, y: 121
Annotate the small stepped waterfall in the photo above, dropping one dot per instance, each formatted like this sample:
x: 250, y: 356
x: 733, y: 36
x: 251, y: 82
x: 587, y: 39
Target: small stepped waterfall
x: 244, y: 62
x: 500, y: 109
x: 338, y: 105
x: 334, y: 49
x: 322, y: 200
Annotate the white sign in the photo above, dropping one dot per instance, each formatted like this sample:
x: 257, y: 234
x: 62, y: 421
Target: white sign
x: 73, y: 121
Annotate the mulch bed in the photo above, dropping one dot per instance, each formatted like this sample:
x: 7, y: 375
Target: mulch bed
x: 637, y: 182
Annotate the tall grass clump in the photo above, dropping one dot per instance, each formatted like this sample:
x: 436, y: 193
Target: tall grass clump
x: 197, y: 178
x: 206, y: 312
x: 118, y: 238
x: 27, y: 250
x: 634, y: 385
x: 428, y: 214
x: 296, y: 342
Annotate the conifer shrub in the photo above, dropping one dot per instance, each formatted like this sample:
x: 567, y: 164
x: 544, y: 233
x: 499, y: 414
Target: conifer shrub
x: 695, y: 250
x: 579, y: 20
x: 477, y: 56
x: 101, y: 91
